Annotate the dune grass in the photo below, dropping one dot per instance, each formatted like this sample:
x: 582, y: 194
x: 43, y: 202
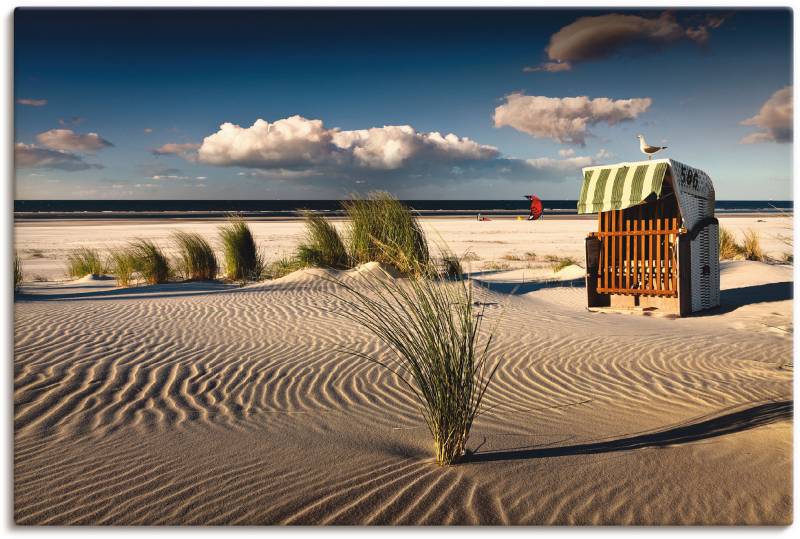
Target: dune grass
x: 17, y: 271
x: 557, y: 263
x: 322, y: 245
x: 431, y: 326
x: 282, y: 267
x: 383, y: 229
x: 122, y: 263
x: 149, y: 261
x: 751, y: 246
x: 85, y: 261
x: 728, y: 248
x: 196, y: 258
x: 451, y: 266
x: 242, y: 260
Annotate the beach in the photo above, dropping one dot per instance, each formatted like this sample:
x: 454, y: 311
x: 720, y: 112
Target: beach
x: 222, y: 403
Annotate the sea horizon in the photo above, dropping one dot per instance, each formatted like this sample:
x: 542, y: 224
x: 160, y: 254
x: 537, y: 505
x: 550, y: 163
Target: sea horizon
x: 294, y: 207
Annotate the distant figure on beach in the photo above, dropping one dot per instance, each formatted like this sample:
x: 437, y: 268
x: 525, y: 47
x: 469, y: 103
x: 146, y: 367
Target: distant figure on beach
x: 536, y: 207
x: 482, y: 218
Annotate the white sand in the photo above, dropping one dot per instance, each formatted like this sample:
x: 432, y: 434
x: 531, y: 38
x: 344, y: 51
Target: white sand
x: 207, y: 403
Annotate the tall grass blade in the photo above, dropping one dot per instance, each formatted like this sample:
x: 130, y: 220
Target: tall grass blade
x: 241, y: 256
x: 85, y: 261
x: 149, y: 261
x: 434, y: 333
x: 196, y: 258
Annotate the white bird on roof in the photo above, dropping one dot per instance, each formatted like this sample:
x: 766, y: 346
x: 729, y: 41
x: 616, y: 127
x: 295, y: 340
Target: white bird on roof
x: 647, y: 149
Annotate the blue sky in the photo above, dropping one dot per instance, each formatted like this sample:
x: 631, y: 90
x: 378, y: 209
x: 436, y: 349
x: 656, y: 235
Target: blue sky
x: 154, y: 87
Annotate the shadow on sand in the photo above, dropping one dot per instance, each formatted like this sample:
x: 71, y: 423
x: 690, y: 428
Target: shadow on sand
x: 733, y: 298
x: 518, y: 287
x: 87, y: 291
x: 750, y: 418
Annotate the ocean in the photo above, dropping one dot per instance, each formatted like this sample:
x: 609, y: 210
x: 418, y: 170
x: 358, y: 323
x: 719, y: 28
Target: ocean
x: 107, y: 209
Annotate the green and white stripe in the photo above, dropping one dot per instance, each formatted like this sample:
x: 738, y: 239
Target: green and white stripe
x: 620, y: 186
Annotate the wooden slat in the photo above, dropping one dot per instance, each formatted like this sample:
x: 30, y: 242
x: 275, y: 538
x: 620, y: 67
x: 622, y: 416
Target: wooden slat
x: 624, y: 233
x: 674, y: 256
x: 651, y: 225
x: 643, y: 277
x: 638, y: 291
x: 605, y: 250
x: 613, y: 283
x: 628, y: 254
x: 635, y: 253
x: 657, y: 239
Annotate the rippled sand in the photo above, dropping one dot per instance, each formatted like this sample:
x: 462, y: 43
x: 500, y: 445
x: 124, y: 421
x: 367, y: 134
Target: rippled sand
x: 213, y: 404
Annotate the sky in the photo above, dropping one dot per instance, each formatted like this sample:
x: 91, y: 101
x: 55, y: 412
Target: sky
x: 427, y: 104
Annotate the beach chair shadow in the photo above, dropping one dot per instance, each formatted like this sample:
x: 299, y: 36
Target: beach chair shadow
x: 734, y: 298
x: 693, y: 431
x: 517, y: 287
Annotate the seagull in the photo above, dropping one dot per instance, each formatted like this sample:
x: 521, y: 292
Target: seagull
x: 647, y: 149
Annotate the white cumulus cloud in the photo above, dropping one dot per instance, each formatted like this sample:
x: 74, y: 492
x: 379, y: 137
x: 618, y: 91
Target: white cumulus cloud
x: 565, y: 119
x: 298, y: 142
x: 775, y: 119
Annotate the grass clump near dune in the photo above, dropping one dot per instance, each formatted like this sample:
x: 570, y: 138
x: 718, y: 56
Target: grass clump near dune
x: 282, y: 267
x: 196, y: 258
x: 322, y: 245
x: 149, y: 261
x: 240, y: 254
x: 17, y: 272
x: 85, y: 261
x: 557, y: 263
x: 751, y: 247
x: 728, y: 248
x: 433, y: 330
x: 383, y: 229
x: 122, y: 264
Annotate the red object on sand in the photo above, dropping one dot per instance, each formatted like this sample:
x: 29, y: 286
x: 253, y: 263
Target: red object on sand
x: 536, y: 207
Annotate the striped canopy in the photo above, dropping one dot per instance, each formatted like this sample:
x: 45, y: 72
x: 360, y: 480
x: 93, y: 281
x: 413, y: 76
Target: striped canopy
x: 615, y: 187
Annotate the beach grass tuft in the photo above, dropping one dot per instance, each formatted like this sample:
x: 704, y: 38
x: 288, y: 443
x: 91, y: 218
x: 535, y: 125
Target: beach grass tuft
x: 85, y: 261
x: 196, y: 258
x: 322, y: 245
x: 282, y: 267
x: 149, y: 261
x: 751, y: 246
x: 122, y: 264
x: 557, y: 263
x: 243, y: 262
x: 17, y: 271
x: 383, y: 229
x: 728, y: 248
x: 433, y: 329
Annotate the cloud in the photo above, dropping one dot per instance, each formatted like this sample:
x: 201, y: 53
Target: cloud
x: 775, y: 118
x: 561, y: 165
x: 551, y: 67
x: 186, y: 150
x: 298, y: 142
x: 31, y: 156
x: 32, y: 102
x: 68, y: 140
x: 595, y: 38
x: 305, y: 153
x: 148, y: 130
x: 75, y: 120
x: 566, y: 152
x: 565, y: 119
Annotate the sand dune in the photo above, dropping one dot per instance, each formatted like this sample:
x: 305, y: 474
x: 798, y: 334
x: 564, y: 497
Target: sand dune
x: 211, y: 404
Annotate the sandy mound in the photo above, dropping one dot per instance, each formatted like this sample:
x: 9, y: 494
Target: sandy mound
x: 242, y: 406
